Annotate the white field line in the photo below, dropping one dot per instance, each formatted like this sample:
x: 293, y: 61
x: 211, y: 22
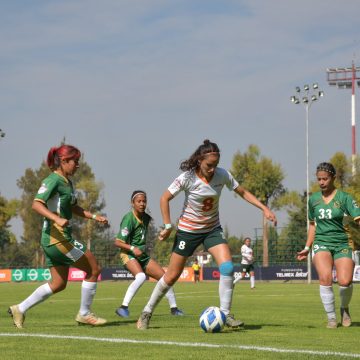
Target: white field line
x: 186, y: 344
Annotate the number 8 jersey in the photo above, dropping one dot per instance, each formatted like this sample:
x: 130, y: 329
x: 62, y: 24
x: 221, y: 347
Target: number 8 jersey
x: 200, y: 213
x: 329, y: 218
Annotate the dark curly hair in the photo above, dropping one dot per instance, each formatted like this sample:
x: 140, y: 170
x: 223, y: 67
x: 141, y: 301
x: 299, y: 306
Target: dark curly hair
x: 205, y: 148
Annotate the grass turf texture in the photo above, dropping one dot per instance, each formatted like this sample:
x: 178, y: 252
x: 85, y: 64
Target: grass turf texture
x: 282, y: 316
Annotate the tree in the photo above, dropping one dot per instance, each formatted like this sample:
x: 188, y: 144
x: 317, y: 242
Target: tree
x: 162, y: 249
x: 263, y: 178
x: 8, y: 210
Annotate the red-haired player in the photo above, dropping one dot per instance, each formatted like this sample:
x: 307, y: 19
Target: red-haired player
x: 56, y: 202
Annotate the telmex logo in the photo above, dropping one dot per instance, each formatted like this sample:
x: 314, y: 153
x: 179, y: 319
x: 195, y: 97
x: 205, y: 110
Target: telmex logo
x: 18, y: 275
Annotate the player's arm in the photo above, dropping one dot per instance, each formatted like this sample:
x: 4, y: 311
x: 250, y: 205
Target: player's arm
x: 250, y: 198
x: 41, y: 209
x: 79, y: 211
x: 302, y: 255
x: 128, y: 248
x: 165, y: 212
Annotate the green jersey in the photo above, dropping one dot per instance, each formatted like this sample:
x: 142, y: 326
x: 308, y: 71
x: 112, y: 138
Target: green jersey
x: 57, y: 193
x: 329, y: 218
x: 133, y: 230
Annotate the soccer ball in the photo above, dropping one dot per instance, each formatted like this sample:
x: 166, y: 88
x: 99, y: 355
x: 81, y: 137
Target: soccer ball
x: 212, y: 320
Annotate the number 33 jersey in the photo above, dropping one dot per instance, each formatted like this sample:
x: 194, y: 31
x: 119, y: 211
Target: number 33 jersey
x: 329, y: 218
x: 200, y: 213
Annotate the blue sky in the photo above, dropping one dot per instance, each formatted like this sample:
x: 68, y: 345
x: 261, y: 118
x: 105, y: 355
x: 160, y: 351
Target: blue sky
x: 138, y: 85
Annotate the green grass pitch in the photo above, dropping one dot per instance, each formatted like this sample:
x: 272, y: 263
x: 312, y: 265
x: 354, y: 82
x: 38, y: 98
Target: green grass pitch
x: 282, y: 321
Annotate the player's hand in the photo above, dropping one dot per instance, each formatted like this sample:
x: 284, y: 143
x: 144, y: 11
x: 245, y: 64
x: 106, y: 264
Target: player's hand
x: 137, y: 252
x: 61, y: 221
x: 164, y: 234
x: 302, y: 255
x: 101, y: 219
x: 270, y: 216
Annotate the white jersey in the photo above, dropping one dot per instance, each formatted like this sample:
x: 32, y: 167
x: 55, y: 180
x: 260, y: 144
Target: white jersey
x: 200, y: 213
x: 247, y: 255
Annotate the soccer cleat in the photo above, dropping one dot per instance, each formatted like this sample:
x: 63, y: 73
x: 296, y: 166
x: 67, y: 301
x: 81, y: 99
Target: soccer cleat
x: 18, y: 317
x: 345, y: 317
x: 332, y: 324
x: 122, y: 311
x: 144, y: 320
x: 176, y: 312
x: 89, y: 319
x: 232, y: 323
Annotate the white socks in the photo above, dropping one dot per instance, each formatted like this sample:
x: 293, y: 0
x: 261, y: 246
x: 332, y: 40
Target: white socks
x: 38, y: 296
x: 225, y: 293
x: 133, y: 288
x: 171, y: 298
x: 252, y: 281
x: 88, y: 291
x: 328, y: 300
x: 158, y: 293
x: 345, y: 293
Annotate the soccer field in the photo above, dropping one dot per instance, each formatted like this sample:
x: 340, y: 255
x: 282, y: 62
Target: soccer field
x: 282, y: 321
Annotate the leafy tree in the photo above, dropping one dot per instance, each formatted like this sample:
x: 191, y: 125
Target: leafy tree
x: 263, y: 178
x: 258, y: 174
x: 8, y: 210
x: 162, y: 249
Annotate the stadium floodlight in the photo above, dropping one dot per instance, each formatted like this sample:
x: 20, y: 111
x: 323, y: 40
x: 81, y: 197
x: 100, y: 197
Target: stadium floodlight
x: 2, y: 134
x: 309, y: 96
x: 345, y: 78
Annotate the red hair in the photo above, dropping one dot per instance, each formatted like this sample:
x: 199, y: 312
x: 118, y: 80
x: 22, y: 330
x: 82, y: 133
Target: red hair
x: 63, y: 152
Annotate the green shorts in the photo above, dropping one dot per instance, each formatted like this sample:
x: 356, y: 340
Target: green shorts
x: 336, y: 251
x: 246, y: 268
x: 63, y: 253
x: 143, y: 260
x: 186, y: 243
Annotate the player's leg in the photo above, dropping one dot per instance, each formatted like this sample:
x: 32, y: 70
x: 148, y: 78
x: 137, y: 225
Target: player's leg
x: 344, y: 272
x: 59, y: 276
x: 136, y: 270
x: 184, y: 246
x: 87, y: 263
x: 154, y: 270
x: 252, y: 279
x: 324, y: 262
x: 221, y: 254
x: 173, y: 272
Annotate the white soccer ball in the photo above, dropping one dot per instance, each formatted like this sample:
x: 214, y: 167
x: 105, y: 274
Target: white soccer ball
x: 212, y: 320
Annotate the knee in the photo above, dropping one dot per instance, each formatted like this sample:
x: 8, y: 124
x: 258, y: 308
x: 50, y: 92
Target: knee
x: 141, y: 277
x: 226, y: 268
x: 344, y: 283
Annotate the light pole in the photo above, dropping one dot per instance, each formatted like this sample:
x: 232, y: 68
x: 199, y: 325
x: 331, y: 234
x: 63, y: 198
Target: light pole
x: 307, y: 97
x: 2, y: 134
